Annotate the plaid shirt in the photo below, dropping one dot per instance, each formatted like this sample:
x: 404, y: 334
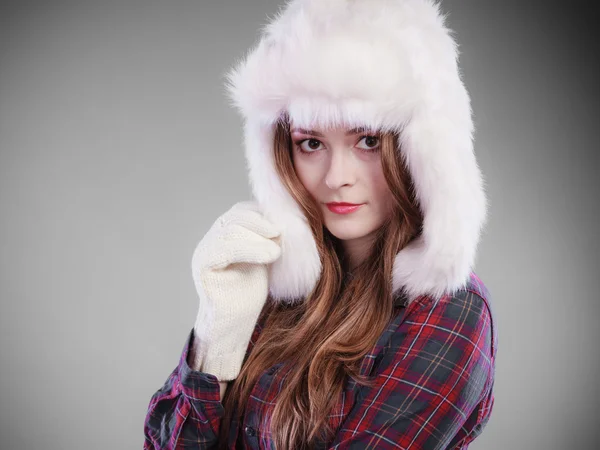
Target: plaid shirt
x: 434, y: 366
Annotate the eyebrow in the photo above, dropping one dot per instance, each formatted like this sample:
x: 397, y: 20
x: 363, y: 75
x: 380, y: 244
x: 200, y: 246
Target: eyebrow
x: 348, y: 133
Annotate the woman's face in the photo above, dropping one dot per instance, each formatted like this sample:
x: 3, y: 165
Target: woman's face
x: 344, y: 165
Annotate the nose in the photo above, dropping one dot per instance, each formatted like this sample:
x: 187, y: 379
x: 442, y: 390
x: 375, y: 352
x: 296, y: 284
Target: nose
x: 341, y: 171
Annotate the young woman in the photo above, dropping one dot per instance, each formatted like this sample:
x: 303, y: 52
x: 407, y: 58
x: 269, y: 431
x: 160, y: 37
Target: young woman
x: 339, y: 309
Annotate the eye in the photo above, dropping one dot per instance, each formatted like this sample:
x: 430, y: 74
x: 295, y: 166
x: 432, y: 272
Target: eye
x: 372, y: 142
x: 313, y: 145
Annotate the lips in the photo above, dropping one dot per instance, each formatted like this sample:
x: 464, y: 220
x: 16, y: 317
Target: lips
x: 343, y: 207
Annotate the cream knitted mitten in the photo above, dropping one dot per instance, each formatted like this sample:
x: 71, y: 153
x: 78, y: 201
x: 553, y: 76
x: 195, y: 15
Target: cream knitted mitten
x: 230, y: 268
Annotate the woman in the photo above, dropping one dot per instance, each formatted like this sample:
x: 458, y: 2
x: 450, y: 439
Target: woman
x: 333, y: 326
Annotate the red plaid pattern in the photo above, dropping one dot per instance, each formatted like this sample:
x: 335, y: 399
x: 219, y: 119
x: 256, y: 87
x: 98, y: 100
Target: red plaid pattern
x: 434, y: 368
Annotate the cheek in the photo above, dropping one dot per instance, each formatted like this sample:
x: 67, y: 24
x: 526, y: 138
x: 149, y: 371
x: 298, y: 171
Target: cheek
x: 380, y: 191
x: 379, y: 186
x: 307, y: 173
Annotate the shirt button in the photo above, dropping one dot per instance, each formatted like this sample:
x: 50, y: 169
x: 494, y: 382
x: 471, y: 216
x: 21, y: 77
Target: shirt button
x: 250, y: 431
x: 272, y: 370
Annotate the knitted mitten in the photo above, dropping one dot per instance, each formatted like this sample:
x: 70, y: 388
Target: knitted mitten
x: 230, y: 267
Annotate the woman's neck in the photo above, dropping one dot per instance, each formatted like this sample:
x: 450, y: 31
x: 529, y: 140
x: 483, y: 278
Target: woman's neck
x: 356, y: 250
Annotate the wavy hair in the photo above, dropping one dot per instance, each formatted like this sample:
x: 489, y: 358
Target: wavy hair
x: 324, y: 338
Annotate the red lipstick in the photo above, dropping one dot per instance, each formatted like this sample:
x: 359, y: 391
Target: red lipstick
x: 342, y: 207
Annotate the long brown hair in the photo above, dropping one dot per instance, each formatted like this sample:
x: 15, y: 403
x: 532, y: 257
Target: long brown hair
x: 325, y: 337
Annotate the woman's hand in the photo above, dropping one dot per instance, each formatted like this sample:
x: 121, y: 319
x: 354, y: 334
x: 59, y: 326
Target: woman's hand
x: 230, y: 271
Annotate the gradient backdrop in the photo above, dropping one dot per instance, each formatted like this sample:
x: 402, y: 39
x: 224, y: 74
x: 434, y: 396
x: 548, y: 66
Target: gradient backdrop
x: 119, y: 150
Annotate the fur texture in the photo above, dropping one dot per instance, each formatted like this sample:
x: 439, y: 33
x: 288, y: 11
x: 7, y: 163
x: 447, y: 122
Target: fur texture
x: 387, y: 64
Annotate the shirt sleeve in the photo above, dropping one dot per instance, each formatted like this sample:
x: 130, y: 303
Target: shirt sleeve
x: 186, y: 411
x: 438, y: 367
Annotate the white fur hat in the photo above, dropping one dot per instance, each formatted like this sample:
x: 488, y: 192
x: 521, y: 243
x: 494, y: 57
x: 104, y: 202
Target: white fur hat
x: 388, y: 65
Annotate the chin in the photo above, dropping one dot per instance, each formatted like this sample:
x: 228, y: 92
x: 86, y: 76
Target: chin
x: 347, y: 231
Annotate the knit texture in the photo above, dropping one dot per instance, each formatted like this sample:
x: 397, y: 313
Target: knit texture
x: 230, y: 271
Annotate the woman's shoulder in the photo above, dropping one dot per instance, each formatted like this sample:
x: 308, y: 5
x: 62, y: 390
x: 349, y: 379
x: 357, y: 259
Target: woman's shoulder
x: 476, y: 285
x: 473, y: 294
x: 468, y: 309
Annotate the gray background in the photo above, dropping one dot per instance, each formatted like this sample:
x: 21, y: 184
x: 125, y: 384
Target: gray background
x: 119, y: 150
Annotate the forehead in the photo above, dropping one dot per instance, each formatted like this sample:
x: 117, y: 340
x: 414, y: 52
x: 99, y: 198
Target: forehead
x: 321, y: 131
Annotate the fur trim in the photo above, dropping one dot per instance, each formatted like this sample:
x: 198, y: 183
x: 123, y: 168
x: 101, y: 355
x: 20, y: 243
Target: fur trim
x: 386, y: 64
